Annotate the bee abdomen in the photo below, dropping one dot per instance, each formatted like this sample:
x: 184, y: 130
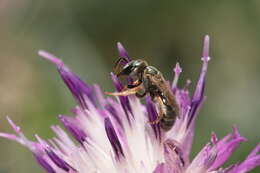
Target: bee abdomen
x: 166, y: 124
x: 168, y: 118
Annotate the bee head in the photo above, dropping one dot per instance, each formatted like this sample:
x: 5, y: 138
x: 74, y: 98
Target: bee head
x: 133, y: 68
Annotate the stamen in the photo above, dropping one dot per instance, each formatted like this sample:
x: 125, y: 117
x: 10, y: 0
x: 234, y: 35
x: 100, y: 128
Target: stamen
x: 16, y: 128
x: 214, y: 138
x: 205, y: 54
x: 177, y: 71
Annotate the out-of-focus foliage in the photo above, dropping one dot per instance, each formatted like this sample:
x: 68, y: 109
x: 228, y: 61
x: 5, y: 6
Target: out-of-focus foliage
x: 84, y: 34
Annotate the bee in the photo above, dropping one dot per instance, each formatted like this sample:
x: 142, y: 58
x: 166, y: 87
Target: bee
x: 149, y: 80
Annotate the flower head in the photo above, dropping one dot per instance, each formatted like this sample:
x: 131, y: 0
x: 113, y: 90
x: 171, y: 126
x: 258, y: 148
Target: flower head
x: 114, y: 136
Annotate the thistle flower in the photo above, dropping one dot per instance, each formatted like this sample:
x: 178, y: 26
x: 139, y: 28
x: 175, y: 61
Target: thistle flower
x: 114, y: 136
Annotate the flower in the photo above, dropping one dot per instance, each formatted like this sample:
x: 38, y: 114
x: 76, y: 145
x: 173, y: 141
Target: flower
x: 114, y: 136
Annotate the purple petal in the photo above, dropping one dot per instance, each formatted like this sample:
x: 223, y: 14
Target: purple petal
x: 152, y: 115
x: 99, y: 95
x: 53, y: 156
x: 70, y: 124
x: 58, y: 161
x: 184, y: 101
x: 198, y: 96
x: 188, y: 134
x: 79, y: 89
x: 173, y: 155
x: 122, y: 51
x: 204, y: 159
x: 251, y: 162
x: 113, y: 138
x: 226, y: 148
x: 190, y: 108
x: 124, y: 100
x: 115, y: 115
x: 116, y: 82
x: 44, y: 163
x: 254, y: 152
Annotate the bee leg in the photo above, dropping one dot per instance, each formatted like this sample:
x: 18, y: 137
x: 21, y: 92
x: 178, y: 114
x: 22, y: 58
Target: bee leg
x: 161, y: 111
x: 134, y: 84
x: 140, y: 95
x: 126, y: 92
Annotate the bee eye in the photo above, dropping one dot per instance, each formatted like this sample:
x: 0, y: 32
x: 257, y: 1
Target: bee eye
x: 126, y: 70
x: 129, y: 69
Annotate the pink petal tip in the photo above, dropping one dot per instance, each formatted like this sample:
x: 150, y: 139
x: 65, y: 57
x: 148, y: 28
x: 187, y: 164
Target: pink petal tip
x: 50, y: 57
x: 214, y: 138
x: 177, y: 69
x: 16, y: 128
x: 122, y: 51
x: 205, y: 54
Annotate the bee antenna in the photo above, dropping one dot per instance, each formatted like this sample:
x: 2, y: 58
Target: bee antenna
x: 118, y: 61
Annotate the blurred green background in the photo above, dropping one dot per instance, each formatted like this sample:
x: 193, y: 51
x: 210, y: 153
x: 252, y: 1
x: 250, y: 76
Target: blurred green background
x: 84, y: 34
